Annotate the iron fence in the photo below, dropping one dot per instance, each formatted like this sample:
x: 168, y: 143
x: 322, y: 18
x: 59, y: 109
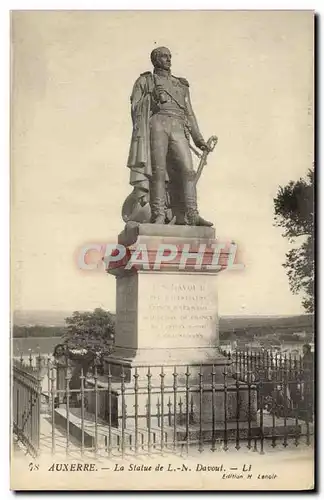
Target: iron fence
x: 265, y: 363
x: 26, y: 403
x: 161, y: 409
x: 275, y: 373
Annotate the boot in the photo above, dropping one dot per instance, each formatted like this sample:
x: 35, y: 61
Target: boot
x: 194, y: 219
x: 159, y: 219
x: 157, y: 202
x: 181, y: 219
x: 200, y: 221
x: 158, y: 211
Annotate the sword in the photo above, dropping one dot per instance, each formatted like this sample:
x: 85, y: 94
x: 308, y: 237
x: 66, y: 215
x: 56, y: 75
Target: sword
x: 211, y: 144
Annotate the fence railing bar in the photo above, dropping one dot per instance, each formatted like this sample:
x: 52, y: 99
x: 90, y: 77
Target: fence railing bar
x: 109, y: 411
x: 201, y: 395
x: 136, y: 375
x: 149, y: 436
x: 238, y: 407
x: 52, y: 379
x: 96, y: 408
x: 261, y: 420
x: 82, y: 378
x: 225, y: 447
x: 67, y: 380
x: 285, y: 392
x: 213, y: 375
x: 249, y: 376
x: 175, y: 376
x: 123, y: 410
x: 187, y: 375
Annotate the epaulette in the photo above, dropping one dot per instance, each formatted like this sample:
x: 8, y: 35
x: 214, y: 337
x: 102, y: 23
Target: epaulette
x: 183, y: 81
x: 149, y: 80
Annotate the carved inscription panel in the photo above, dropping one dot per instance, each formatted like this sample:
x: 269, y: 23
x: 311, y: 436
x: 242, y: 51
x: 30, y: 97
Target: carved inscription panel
x: 177, y: 310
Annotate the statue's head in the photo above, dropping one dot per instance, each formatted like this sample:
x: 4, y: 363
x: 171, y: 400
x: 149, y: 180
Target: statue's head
x: 161, y: 58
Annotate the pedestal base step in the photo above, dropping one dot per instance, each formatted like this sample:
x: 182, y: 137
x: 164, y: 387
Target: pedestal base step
x: 141, y: 438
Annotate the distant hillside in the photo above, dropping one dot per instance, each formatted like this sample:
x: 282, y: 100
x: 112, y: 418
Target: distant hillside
x: 227, y: 323
x: 303, y: 321
x: 37, y: 331
x: 41, y: 318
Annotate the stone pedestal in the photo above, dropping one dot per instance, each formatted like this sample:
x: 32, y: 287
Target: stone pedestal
x: 167, y: 320
x: 168, y: 313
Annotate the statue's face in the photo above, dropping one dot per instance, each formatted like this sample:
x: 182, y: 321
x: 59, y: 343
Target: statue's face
x: 163, y: 59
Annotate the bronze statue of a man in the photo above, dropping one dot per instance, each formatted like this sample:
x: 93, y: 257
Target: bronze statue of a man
x: 160, y: 158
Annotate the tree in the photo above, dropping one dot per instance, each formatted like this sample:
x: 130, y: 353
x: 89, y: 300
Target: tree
x: 294, y: 212
x: 91, y: 331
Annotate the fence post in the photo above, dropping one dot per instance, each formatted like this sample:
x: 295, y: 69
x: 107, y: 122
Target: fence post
x: 136, y: 407
x: 123, y: 423
x: 52, y: 378
x: 249, y: 382
x: 67, y: 392
x: 213, y: 374
x: 109, y: 377
x: 175, y: 375
x: 38, y: 408
x: 225, y: 408
x: 149, y: 416
x: 237, y: 445
x: 187, y: 374
x: 285, y: 393
x: 162, y: 375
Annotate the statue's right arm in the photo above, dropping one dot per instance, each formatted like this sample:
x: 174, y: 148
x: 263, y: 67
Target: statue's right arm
x: 137, y: 95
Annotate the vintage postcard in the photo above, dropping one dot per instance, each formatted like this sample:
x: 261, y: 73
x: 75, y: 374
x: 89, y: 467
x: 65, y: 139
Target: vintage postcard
x: 162, y: 239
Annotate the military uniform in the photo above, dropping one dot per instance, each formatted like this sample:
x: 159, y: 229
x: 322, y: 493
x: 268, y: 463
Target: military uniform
x: 171, y: 122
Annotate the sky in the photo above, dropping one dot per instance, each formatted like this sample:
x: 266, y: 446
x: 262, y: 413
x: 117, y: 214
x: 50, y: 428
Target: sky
x: 251, y: 83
